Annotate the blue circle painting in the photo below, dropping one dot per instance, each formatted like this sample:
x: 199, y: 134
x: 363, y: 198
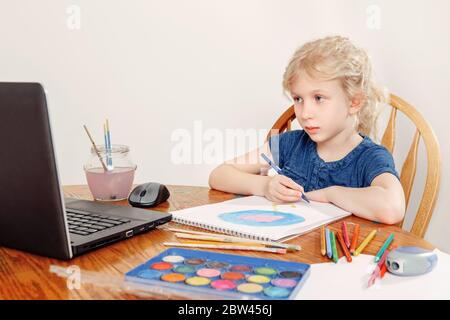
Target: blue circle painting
x: 261, y: 218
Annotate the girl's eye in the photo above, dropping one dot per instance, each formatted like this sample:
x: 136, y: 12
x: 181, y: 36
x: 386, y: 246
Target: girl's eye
x: 319, y: 98
x: 298, y: 99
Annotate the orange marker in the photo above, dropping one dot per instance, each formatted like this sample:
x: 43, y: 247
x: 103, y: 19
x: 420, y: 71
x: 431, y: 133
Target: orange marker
x: 323, y: 249
x: 355, y: 238
x: 344, y: 246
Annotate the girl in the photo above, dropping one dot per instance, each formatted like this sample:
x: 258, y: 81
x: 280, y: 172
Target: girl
x: 332, y: 159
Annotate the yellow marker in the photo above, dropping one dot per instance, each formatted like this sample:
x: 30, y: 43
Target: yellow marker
x: 323, y: 249
x: 365, y: 242
x: 274, y: 207
x: 293, y: 206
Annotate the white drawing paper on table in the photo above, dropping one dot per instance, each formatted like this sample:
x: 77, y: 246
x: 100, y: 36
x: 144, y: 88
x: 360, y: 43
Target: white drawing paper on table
x: 349, y: 281
x: 256, y: 217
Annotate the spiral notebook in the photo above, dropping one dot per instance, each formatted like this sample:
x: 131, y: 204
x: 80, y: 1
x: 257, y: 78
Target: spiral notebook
x: 256, y: 217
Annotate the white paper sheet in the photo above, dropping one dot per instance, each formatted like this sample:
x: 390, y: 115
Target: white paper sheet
x: 349, y: 281
x: 209, y: 217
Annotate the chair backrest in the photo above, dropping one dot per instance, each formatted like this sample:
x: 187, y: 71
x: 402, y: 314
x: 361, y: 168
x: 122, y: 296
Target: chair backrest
x: 408, y: 170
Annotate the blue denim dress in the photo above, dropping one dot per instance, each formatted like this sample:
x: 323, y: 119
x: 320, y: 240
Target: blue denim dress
x: 296, y: 154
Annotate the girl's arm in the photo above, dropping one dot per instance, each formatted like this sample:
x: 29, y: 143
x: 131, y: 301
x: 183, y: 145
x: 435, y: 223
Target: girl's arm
x: 383, y: 201
x: 242, y: 175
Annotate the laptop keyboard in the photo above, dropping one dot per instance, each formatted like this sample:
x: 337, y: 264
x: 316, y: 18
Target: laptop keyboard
x: 85, y: 224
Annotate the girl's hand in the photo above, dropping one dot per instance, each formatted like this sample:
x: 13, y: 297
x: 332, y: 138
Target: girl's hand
x: 281, y: 189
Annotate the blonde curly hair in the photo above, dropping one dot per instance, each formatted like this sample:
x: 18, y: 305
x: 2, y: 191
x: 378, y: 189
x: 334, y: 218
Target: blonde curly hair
x: 336, y: 57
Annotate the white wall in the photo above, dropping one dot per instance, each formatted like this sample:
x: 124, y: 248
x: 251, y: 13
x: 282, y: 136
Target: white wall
x: 153, y: 67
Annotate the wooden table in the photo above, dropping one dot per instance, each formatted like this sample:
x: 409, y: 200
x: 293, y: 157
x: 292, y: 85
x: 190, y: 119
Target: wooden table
x: 27, y: 276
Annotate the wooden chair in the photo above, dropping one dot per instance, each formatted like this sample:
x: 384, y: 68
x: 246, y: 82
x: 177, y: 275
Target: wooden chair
x: 408, y: 170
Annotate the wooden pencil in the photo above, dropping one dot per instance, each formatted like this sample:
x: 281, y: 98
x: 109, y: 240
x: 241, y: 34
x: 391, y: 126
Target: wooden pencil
x: 355, y: 239
x: 323, y: 248
x: 345, y: 234
x: 383, y: 267
x: 383, y: 271
x: 344, y: 246
x: 203, y: 238
x: 226, y: 238
x: 220, y: 242
x: 365, y: 242
x: 224, y: 247
x: 333, y: 247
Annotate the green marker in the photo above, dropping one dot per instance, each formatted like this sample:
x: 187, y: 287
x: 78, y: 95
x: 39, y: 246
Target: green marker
x: 333, y: 247
x: 384, y: 247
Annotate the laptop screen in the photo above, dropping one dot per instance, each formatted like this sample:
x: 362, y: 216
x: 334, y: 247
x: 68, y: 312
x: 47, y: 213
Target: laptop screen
x: 31, y: 207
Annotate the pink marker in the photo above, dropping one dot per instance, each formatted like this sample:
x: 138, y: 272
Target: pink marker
x: 345, y: 234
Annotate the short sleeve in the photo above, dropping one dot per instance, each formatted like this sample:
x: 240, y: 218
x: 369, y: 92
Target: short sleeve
x: 377, y: 160
x: 281, y: 145
x: 274, y: 146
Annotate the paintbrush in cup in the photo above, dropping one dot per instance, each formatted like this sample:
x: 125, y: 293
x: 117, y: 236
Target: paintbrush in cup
x: 95, y: 148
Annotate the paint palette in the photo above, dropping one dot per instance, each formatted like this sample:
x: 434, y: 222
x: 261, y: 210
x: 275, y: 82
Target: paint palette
x: 221, y: 276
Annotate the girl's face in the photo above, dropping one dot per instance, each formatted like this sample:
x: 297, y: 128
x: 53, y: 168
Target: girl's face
x: 322, y: 108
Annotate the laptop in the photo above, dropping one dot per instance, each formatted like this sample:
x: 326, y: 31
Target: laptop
x: 34, y: 215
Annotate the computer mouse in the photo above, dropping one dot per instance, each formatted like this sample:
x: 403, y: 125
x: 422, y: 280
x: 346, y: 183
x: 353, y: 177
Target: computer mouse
x: 148, y: 195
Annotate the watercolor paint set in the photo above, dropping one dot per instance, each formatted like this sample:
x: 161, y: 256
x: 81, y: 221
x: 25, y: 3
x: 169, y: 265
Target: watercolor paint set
x: 200, y: 274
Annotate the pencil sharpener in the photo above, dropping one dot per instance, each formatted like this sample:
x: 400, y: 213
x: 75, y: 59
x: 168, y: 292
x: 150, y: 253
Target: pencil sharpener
x: 410, y: 261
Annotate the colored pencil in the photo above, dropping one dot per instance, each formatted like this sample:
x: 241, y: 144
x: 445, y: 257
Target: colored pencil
x: 345, y: 234
x: 384, y: 247
x: 224, y: 247
x: 95, y: 148
x: 279, y: 171
x: 344, y: 246
x: 221, y: 239
x: 323, y: 248
x: 328, y: 242
x: 290, y: 247
x: 333, y: 247
x: 365, y: 242
x: 273, y: 165
x: 376, y: 273
x: 355, y: 239
x: 219, y: 242
x: 383, y: 271
x: 383, y: 267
